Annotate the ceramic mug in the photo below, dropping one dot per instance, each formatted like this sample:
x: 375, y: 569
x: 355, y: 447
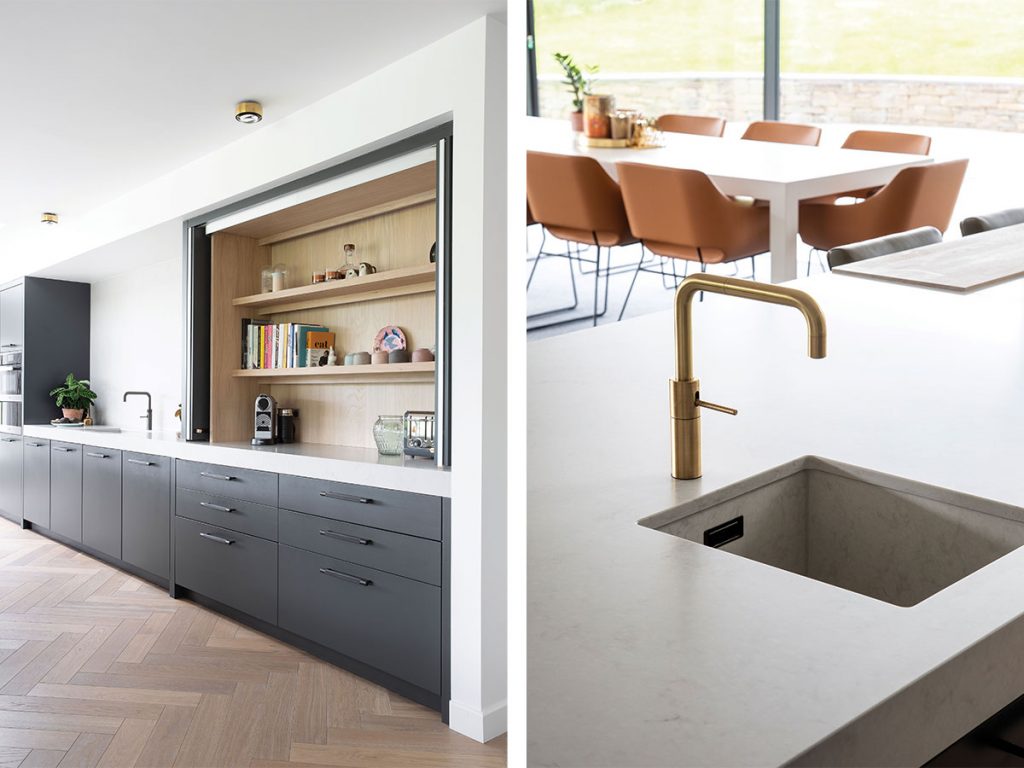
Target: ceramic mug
x: 422, y: 355
x: 348, y: 359
x: 351, y: 272
x: 360, y: 358
x: 365, y: 268
x: 398, y: 356
x: 380, y: 357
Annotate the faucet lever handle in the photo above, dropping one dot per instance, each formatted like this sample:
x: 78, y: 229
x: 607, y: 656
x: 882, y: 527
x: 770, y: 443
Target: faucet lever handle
x: 716, y: 407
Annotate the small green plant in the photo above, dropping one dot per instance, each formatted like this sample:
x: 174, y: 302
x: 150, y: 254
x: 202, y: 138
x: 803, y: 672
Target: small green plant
x: 74, y: 394
x: 578, y: 82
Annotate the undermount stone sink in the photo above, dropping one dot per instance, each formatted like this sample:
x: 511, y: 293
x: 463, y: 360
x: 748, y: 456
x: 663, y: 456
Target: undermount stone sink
x: 101, y: 429
x: 875, y: 534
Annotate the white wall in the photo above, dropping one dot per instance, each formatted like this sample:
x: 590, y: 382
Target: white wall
x: 460, y: 77
x: 136, y: 344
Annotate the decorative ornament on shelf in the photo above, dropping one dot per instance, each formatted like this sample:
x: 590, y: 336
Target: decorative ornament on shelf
x: 332, y: 357
x: 389, y: 338
x: 579, y: 85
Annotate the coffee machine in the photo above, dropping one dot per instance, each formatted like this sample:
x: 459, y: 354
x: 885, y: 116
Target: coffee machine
x: 265, y: 421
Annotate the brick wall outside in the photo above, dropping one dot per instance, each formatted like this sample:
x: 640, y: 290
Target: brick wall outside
x: 993, y: 104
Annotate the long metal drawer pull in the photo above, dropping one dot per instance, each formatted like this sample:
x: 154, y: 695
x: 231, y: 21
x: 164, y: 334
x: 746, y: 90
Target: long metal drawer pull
x: 9, y: 439
x: 217, y: 507
x: 98, y: 455
x: 140, y: 462
x: 34, y: 445
x: 218, y: 539
x: 346, y: 537
x: 345, y: 577
x: 63, y: 450
x: 345, y: 497
x: 216, y: 477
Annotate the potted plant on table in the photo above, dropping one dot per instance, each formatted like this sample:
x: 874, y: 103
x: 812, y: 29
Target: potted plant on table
x: 579, y: 86
x: 74, y: 397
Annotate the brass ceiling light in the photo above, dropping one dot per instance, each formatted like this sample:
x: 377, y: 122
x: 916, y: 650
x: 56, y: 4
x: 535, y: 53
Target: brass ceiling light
x: 48, y: 217
x: 248, y: 112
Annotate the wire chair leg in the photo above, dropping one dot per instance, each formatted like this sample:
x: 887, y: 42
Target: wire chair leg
x: 539, y: 256
x: 633, y: 282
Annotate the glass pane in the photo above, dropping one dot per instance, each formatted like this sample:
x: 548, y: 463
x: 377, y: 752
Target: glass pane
x: 658, y: 56
x: 912, y: 62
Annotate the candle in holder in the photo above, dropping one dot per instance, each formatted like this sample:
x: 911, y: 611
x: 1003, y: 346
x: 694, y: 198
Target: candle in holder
x: 597, y: 111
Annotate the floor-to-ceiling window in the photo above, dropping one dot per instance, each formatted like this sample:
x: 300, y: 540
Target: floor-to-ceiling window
x: 658, y: 56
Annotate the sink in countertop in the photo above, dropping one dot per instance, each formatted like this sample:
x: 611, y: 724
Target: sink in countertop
x: 875, y: 534
x: 95, y: 428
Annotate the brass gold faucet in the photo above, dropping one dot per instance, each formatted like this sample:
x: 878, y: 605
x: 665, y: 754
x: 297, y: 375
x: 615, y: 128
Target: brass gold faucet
x: 684, y: 390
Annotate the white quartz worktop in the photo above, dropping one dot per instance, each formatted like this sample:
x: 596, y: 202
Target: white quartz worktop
x: 648, y: 650
x: 362, y: 466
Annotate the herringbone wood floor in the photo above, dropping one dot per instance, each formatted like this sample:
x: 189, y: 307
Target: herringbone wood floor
x: 99, y: 668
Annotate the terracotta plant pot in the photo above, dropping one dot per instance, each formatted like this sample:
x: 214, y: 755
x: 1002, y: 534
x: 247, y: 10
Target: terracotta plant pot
x: 576, y: 118
x: 75, y: 414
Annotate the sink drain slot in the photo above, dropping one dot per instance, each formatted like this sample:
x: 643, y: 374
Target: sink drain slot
x: 725, y: 532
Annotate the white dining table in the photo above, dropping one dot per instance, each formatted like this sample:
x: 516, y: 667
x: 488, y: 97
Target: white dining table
x: 781, y: 174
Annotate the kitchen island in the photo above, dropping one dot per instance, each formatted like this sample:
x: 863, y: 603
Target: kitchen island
x: 646, y: 649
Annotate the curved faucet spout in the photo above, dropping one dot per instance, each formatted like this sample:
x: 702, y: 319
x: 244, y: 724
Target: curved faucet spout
x: 684, y: 391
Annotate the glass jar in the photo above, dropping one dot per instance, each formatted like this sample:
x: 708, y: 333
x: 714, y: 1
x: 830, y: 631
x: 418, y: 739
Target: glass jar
x: 388, y: 432
x: 350, y: 257
x: 266, y: 280
x: 279, y: 278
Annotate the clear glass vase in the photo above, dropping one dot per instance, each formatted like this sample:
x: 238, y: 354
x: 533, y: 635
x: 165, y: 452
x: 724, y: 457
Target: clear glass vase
x: 388, y: 432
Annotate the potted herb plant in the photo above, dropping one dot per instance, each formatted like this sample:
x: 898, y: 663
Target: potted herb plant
x: 579, y: 85
x: 74, y: 397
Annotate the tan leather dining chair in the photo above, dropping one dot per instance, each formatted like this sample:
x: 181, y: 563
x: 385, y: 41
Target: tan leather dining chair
x: 783, y: 133
x: 921, y: 196
x: 698, y: 125
x: 578, y: 202
x: 681, y: 214
x: 880, y: 141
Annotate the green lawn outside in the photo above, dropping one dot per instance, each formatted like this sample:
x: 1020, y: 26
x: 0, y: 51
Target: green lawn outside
x: 904, y: 37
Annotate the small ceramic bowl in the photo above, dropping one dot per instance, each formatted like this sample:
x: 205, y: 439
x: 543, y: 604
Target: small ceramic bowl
x: 379, y: 358
x: 422, y: 355
x: 398, y: 356
x: 348, y: 359
x: 360, y: 358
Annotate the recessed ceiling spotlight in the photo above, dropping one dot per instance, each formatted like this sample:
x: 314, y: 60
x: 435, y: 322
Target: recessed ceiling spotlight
x: 48, y: 218
x: 248, y: 112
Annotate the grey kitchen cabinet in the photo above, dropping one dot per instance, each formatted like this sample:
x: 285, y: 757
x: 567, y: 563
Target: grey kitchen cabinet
x: 146, y: 512
x: 12, y: 316
x: 11, y: 470
x: 37, y: 481
x: 66, y: 490
x: 101, y: 500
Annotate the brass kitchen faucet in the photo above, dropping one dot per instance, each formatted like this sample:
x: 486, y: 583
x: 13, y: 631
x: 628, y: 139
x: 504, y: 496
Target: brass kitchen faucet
x: 684, y: 389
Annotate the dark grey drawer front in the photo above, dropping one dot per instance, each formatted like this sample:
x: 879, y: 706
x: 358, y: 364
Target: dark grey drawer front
x: 101, y: 500
x: 37, y: 481
x: 66, y: 490
x: 234, y: 514
x: 397, y: 553
x: 229, y: 482
x: 241, y: 574
x: 390, y: 623
x: 146, y: 515
x: 411, y: 513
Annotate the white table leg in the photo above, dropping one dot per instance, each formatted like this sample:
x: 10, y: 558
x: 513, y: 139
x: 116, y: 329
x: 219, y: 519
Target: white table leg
x: 782, y: 236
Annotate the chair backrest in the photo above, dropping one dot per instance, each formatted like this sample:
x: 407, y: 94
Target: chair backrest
x: 698, y: 125
x: 889, y: 141
x: 684, y: 208
x: 972, y: 225
x: 573, y: 192
x: 783, y: 133
x: 880, y: 246
x: 919, y: 196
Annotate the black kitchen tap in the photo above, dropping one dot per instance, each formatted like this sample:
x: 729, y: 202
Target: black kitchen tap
x: 149, y: 408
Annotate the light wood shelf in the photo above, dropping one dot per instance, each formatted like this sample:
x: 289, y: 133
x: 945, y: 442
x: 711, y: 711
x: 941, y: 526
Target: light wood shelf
x: 392, y: 373
x: 383, y: 285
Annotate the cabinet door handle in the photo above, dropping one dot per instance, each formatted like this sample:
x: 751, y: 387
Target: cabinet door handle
x: 345, y: 577
x: 63, y: 450
x: 215, y: 476
x: 9, y: 439
x: 218, y: 539
x: 98, y: 455
x: 345, y: 497
x: 346, y: 537
x: 34, y: 445
x: 217, y: 507
x: 140, y: 462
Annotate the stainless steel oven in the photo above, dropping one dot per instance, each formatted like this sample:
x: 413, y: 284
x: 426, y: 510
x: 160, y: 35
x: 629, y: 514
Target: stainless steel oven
x: 10, y: 391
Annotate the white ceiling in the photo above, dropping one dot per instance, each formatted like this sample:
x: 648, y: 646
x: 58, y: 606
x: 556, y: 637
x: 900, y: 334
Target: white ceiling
x: 98, y: 97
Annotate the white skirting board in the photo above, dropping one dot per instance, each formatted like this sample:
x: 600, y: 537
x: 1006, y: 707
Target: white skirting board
x: 476, y: 724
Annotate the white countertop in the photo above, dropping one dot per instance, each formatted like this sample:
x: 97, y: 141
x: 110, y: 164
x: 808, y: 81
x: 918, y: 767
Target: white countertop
x: 649, y: 650
x: 362, y: 466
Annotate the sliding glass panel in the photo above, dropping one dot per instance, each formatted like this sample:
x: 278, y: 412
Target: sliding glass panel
x: 956, y: 63
x: 658, y: 56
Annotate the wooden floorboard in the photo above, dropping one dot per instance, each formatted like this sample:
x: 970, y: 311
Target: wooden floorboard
x: 100, y: 668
